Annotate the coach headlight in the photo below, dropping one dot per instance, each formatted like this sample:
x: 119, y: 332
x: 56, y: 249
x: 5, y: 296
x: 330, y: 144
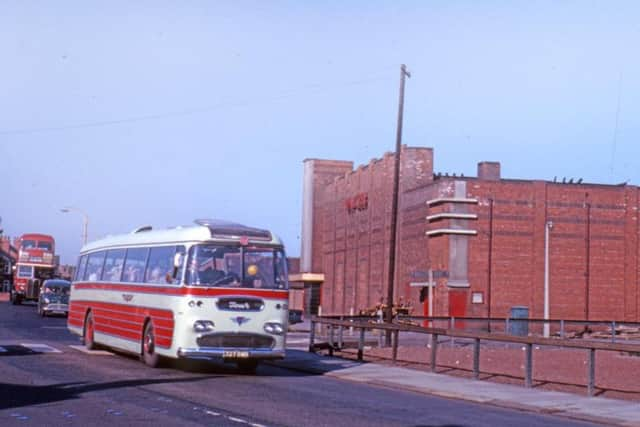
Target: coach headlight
x: 46, y: 300
x: 203, y: 326
x: 274, y: 328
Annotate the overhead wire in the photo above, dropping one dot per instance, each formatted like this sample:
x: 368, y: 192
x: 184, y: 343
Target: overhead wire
x: 197, y: 110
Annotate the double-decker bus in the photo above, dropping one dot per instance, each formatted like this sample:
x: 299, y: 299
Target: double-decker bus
x: 216, y: 290
x: 35, y: 264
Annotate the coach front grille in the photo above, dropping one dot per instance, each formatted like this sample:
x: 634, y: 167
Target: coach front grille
x: 237, y: 340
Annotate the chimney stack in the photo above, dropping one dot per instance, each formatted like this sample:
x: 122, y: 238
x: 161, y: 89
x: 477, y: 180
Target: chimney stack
x: 489, y: 171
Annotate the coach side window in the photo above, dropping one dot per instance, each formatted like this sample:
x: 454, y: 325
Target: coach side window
x: 160, y: 266
x: 134, y: 264
x: 82, y: 265
x: 94, y: 266
x: 113, y: 265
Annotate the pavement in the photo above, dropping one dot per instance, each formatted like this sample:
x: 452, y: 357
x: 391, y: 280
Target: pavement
x: 595, y: 409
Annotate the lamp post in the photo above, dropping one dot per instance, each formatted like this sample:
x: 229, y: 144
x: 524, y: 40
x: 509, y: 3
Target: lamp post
x: 85, y: 220
x: 547, y: 228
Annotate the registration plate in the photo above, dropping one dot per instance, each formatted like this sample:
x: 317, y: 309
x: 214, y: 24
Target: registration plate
x: 235, y: 354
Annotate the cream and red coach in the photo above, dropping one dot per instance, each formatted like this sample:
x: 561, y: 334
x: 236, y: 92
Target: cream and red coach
x: 213, y: 290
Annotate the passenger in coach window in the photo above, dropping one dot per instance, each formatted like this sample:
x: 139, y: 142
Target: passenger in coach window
x: 131, y: 274
x: 156, y: 275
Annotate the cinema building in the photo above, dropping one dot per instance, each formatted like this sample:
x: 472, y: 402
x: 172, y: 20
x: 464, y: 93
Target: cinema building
x: 483, y: 244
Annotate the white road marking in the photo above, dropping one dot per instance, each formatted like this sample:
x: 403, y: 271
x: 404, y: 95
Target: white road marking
x: 91, y: 352
x: 3, y: 350
x: 237, y: 420
x: 40, y: 348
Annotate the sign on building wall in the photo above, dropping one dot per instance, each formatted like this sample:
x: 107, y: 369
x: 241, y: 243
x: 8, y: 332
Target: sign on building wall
x: 359, y: 202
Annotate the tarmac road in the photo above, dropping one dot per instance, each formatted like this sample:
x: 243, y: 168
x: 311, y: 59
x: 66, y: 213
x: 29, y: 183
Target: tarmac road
x: 46, y: 380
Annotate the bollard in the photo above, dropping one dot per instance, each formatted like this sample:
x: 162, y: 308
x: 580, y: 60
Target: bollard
x: 528, y: 366
x: 361, y: 345
x: 434, y: 349
x: 395, y: 345
x: 592, y: 372
x: 340, y: 338
x: 312, y: 336
x: 562, y: 329
x: 476, y: 358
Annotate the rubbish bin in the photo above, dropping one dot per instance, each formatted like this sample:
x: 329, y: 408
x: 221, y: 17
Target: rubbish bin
x: 519, y: 327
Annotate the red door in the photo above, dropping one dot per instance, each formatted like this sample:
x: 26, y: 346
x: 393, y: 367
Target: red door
x: 425, y: 308
x: 458, y: 305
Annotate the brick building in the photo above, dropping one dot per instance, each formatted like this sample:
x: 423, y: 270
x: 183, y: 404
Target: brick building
x: 481, y: 239
x: 8, y: 257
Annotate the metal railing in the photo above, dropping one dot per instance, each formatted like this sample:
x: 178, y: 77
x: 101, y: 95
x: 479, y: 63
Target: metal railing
x: 394, y: 329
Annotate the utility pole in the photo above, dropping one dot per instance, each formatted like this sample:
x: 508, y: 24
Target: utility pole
x: 394, y: 207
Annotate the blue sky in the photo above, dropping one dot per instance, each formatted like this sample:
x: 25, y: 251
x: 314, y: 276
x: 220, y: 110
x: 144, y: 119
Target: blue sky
x: 162, y: 112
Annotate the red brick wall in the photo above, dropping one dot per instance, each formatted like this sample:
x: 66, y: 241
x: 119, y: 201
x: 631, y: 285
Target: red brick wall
x: 594, y: 242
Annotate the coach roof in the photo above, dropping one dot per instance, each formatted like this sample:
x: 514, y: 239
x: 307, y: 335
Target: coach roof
x: 204, y: 230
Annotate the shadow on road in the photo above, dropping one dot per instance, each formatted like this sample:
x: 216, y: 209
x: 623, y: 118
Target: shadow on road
x: 18, y: 395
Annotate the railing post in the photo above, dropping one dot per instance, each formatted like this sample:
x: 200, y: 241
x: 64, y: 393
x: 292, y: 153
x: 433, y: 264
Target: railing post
x: 613, y: 331
x: 562, y: 328
x: 452, y: 327
x: 330, y: 340
x: 395, y: 345
x: 434, y: 349
x: 312, y: 336
x: 528, y: 366
x: 340, y: 340
x: 506, y: 326
x: 592, y: 371
x: 351, y: 327
x: 361, y: 344
x: 476, y: 358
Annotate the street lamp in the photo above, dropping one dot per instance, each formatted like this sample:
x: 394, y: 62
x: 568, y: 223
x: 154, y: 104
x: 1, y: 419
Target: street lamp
x: 85, y: 220
x: 547, y: 228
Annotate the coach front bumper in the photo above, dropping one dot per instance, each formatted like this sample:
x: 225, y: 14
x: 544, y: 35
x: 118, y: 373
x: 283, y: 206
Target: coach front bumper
x: 230, y: 353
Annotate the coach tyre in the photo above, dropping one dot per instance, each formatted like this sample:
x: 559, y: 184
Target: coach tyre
x: 89, y: 330
x: 149, y: 355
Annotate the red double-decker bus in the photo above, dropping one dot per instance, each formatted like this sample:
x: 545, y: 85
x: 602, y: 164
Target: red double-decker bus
x: 35, y: 264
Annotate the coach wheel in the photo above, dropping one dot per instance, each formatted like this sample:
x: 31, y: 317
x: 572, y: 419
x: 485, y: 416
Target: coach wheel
x: 89, y: 332
x: 15, y: 299
x: 149, y: 355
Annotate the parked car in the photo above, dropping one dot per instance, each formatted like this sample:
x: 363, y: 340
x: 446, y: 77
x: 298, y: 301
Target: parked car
x: 295, y: 316
x: 54, y: 297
